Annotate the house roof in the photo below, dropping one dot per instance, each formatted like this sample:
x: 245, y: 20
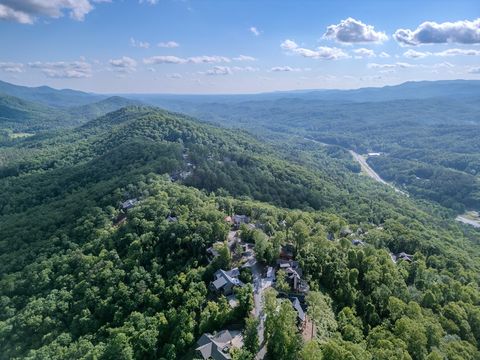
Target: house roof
x: 223, y: 277
x: 218, y: 346
x: 298, y: 308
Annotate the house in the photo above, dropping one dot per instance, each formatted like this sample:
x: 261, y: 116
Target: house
x: 301, y: 316
x: 357, y: 242
x: 401, y: 256
x: 374, y: 154
x: 212, y: 251
x: 218, y: 346
x: 225, y: 281
x: 294, y: 275
x: 130, y: 203
x: 172, y: 218
x: 240, y: 219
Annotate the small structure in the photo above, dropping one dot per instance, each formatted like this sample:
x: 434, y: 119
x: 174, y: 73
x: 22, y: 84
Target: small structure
x: 294, y: 275
x: 212, y: 251
x: 225, y: 281
x: 172, y: 218
x: 239, y: 220
x: 344, y: 232
x: 357, y: 242
x: 270, y: 273
x: 301, y: 317
x: 218, y: 346
x: 130, y: 203
x: 401, y: 256
x: 374, y: 154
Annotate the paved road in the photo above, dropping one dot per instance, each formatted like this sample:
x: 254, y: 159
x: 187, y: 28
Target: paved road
x: 365, y: 167
x: 259, y: 286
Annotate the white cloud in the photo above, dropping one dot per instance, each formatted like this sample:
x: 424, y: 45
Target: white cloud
x: 474, y: 70
x: 151, y: 2
x: 412, y: 54
x: 322, y: 52
x: 244, y: 69
x: 124, y: 64
x: 169, y: 59
x: 219, y: 70
x: 284, y: 69
x: 402, y: 65
x: 139, y: 44
x: 457, y: 52
x: 354, y: 31
x: 168, y: 44
x: 11, y: 67
x: 430, y: 32
x: 63, y: 69
x: 383, y: 54
x: 208, y: 59
x: 254, y: 31
x: 27, y: 11
x: 364, y: 53
x: 244, y: 58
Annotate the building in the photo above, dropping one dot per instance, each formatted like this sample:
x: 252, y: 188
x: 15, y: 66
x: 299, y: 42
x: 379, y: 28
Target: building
x: 218, y: 346
x: 240, y: 219
x: 287, y: 252
x: 301, y: 316
x: 401, y: 256
x: 225, y: 281
x: 357, y: 242
x: 130, y: 203
x: 294, y: 275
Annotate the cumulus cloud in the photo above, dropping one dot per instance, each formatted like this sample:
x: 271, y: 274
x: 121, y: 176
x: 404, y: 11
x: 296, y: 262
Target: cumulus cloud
x: 168, y: 44
x: 474, y: 70
x: 244, y: 58
x: 139, y: 44
x: 11, y: 67
x: 413, y: 54
x: 322, y: 52
x: 430, y: 32
x: 27, y: 11
x: 64, y: 69
x: 354, y: 31
x: 457, y: 52
x: 402, y: 65
x: 383, y: 54
x: 254, y: 31
x: 219, y: 70
x: 169, y: 59
x: 124, y: 64
x: 245, y: 69
x: 284, y: 69
x: 364, y: 53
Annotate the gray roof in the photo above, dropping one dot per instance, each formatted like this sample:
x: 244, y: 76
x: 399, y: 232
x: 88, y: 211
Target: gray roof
x: 216, y: 346
x: 298, y: 307
x: 223, y: 277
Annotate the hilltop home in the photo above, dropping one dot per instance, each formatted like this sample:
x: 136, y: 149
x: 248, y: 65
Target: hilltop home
x: 225, y: 281
x: 130, y: 203
x: 218, y: 346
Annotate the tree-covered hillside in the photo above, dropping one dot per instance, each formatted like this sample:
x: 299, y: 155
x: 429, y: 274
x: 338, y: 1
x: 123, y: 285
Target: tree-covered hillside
x: 81, y: 278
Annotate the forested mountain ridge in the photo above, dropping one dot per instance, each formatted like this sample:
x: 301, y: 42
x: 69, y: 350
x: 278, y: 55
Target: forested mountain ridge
x: 74, y: 283
x: 416, y: 137
x: 49, y: 96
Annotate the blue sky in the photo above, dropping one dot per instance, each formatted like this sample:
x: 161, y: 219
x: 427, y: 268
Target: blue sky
x: 235, y: 46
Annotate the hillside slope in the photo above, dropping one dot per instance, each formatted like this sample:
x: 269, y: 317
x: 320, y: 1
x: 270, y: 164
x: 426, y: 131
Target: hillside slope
x: 75, y: 282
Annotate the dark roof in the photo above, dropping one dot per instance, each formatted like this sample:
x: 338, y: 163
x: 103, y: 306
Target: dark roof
x: 298, y: 308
